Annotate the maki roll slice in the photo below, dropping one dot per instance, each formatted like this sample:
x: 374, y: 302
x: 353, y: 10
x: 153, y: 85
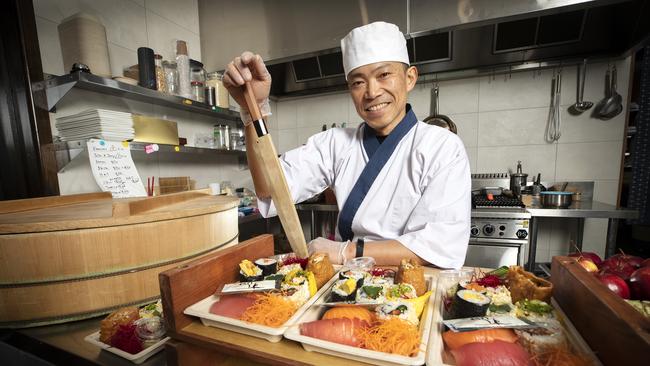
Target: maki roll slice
x: 469, y: 303
x: 358, y: 276
x: 268, y: 265
x: 344, y: 290
x: 371, y: 294
x: 248, y: 272
x: 401, y: 291
x: 398, y: 309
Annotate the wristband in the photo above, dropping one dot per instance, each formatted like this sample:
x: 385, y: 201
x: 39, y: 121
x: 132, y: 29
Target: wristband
x: 360, y: 245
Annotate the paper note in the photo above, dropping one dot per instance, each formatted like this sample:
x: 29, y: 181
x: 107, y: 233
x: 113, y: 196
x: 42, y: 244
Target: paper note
x: 114, y: 170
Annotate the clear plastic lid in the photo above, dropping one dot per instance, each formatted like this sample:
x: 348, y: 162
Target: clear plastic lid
x: 150, y: 328
x: 360, y: 263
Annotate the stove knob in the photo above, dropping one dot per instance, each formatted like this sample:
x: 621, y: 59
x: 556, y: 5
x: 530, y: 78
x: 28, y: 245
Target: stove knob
x: 522, y: 234
x: 488, y: 229
x: 474, y: 231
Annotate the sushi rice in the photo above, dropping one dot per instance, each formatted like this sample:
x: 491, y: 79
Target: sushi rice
x: 398, y: 309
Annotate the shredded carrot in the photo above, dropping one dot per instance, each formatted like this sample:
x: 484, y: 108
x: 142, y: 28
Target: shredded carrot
x: 560, y: 356
x: 270, y: 309
x: 391, y: 336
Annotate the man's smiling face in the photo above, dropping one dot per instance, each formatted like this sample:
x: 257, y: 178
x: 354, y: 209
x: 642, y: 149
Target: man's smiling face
x: 379, y: 92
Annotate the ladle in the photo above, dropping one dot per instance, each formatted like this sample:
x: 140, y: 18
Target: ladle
x: 614, y: 104
x: 581, y: 105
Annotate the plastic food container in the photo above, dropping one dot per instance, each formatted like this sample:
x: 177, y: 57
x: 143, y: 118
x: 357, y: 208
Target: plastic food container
x: 150, y: 330
x: 360, y: 264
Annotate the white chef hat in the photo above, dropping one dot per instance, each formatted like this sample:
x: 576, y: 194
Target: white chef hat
x: 374, y: 42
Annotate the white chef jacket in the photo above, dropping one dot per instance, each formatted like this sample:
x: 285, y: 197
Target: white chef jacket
x: 421, y: 197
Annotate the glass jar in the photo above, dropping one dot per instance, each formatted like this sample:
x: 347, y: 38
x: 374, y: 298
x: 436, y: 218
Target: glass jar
x: 171, y: 77
x: 161, y: 85
x: 218, y: 137
x: 197, y: 91
x: 197, y: 72
x: 215, y: 79
x: 225, y: 129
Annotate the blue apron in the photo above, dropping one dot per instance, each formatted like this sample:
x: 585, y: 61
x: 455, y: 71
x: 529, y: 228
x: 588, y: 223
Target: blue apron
x: 378, y: 155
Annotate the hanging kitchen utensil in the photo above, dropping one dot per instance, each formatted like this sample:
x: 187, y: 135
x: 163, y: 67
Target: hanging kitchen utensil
x: 435, y: 118
x: 267, y: 157
x: 554, y: 117
x: 601, y: 103
x: 581, y: 105
x: 614, y: 104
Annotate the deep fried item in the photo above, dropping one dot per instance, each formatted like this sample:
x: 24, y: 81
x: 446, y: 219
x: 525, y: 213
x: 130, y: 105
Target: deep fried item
x: 112, y: 322
x: 525, y: 285
x: 319, y: 264
x: 410, y: 272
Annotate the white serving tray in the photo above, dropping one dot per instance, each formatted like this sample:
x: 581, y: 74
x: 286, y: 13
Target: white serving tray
x: 137, y: 358
x: 360, y: 354
x: 202, y: 310
x: 436, y: 354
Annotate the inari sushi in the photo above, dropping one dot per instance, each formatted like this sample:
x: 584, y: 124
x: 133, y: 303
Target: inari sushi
x: 469, y: 303
x: 410, y: 272
x: 344, y: 290
x: 398, y: 309
x: 319, y: 264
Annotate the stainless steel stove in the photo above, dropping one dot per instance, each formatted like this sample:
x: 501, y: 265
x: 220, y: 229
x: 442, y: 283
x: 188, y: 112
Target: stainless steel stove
x: 499, y: 226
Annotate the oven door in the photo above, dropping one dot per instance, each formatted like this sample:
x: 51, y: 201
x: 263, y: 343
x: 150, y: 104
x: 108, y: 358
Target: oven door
x: 494, y: 253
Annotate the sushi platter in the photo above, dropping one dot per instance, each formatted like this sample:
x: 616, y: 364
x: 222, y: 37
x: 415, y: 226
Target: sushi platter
x: 332, y: 324
x: 474, y: 298
x: 297, y: 284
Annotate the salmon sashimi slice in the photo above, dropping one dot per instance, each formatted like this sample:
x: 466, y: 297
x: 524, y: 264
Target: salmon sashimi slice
x: 455, y: 340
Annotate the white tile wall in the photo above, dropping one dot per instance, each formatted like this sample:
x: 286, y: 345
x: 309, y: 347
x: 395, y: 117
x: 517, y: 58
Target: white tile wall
x: 502, y: 119
x: 129, y: 24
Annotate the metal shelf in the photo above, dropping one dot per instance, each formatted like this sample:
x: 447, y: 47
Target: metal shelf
x: 56, y: 88
x: 162, y: 148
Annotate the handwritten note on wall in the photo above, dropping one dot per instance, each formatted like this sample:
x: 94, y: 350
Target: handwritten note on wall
x: 114, y: 170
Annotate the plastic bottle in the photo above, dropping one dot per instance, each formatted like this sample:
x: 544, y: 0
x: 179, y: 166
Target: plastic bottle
x: 183, y: 66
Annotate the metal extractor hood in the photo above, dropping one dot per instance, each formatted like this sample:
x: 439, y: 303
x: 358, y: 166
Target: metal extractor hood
x: 482, y: 34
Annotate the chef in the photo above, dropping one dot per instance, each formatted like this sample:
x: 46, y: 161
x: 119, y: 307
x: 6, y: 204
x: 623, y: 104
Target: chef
x: 402, y: 186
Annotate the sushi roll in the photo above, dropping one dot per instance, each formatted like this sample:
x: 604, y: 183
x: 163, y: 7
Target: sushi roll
x: 470, y: 285
x: 371, y: 294
x: 299, y: 278
x: 401, y: 291
x: 358, y: 276
x: 398, y: 309
x: 248, y: 272
x: 380, y: 281
x: 469, y: 303
x: 296, y: 293
x: 344, y: 290
x: 268, y: 265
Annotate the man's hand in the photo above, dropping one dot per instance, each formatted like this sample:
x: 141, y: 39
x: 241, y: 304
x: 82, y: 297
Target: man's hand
x: 335, y: 249
x: 248, y: 68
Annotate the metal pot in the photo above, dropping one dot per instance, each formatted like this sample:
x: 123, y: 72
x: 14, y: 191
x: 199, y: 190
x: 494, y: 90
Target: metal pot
x: 555, y: 199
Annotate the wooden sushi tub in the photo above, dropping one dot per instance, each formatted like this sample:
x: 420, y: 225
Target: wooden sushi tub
x: 72, y: 257
x: 616, y: 332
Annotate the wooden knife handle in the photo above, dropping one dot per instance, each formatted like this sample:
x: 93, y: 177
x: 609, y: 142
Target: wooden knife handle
x: 251, y: 102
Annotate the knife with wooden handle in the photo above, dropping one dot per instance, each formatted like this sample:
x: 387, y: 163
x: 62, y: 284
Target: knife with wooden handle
x: 266, y: 155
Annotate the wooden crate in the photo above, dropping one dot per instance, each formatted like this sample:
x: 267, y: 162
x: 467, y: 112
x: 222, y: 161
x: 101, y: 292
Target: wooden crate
x: 616, y: 332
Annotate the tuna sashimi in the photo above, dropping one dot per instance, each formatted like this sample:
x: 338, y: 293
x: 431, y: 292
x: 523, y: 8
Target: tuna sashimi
x: 455, y: 340
x: 232, y: 306
x: 497, y: 353
x: 340, y: 330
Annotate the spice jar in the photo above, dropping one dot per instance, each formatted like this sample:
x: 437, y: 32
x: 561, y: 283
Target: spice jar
x: 171, y: 77
x: 215, y: 79
x: 161, y: 84
x: 197, y: 91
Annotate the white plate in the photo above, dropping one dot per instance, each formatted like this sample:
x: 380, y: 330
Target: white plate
x: 360, y: 354
x: 137, y: 358
x: 202, y: 310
